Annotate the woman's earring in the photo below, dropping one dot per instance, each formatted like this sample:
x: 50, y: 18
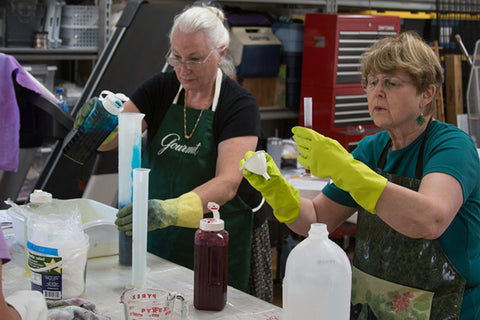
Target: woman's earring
x: 420, y: 119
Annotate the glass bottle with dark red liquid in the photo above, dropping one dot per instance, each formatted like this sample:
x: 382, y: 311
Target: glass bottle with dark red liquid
x: 211, y: 263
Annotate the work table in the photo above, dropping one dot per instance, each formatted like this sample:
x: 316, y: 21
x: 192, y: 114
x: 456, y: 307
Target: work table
x: 106, y: 280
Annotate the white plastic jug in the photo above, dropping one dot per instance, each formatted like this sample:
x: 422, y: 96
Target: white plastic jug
x: 318, y: 279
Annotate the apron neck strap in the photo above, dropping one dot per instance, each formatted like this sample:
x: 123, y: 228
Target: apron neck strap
x: 216, y: 95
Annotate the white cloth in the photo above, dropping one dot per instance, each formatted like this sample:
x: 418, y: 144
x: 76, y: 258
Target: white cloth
x: 31, y: 305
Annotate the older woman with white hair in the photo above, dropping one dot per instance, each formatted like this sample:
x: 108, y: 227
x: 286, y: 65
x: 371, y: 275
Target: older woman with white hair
x: 200, y: 124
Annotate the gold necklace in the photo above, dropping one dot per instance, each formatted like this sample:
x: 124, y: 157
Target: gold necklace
x: 188, y: 136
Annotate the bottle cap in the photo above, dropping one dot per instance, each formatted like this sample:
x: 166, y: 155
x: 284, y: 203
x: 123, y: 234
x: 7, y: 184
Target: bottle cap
x: 111, y: 102
x: 215, y: 223
x: 39, y: 196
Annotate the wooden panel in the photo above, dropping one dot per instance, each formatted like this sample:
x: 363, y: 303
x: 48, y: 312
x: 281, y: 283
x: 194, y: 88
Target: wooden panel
x: 453, y: 87
x: 263, y: 89
x: 439, y: 97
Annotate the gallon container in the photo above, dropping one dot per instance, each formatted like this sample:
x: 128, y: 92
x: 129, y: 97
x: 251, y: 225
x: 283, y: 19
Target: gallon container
x: 211, y: 263
x: 318, y: 279
x: 99, y: 123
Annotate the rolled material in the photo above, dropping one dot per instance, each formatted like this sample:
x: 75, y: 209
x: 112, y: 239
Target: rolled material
x: 140, y: 226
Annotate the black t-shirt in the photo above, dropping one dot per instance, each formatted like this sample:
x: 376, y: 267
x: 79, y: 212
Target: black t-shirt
x: 237, y: 114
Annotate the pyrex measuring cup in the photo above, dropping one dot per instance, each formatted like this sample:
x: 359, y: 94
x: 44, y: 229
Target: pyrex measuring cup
x: 145, y: 303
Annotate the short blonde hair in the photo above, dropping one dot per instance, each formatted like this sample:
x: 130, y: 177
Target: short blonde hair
x: 406, y: 53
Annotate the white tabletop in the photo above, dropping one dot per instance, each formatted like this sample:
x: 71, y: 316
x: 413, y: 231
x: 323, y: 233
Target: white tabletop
x: 106, y: 280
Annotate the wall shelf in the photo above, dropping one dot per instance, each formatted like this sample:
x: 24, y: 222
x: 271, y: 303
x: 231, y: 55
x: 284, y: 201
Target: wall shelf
x: 277, y: 113
x: 51, y: 54
x: 410, y: 5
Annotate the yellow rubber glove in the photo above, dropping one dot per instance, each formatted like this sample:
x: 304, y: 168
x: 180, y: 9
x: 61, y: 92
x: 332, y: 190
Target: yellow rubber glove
x: 278, y: 192
x: 326, y: 158
x: 184, y: 211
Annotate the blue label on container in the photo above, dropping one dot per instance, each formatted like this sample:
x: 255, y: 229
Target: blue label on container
x: 42, y: 250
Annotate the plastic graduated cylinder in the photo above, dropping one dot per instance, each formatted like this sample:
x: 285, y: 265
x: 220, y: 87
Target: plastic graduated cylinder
x: 140, y: 226
x: 129, y: 158
x: 307, y: 122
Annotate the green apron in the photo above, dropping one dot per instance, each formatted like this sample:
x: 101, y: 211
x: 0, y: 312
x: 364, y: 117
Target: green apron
x: 179, y: 165
x: 397, y: 277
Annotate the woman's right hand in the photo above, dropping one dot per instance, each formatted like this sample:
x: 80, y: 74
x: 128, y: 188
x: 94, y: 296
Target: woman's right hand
x: 278, y: 192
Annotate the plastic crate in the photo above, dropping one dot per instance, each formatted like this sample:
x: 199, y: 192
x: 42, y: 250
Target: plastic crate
x: 79, y: 26
x: 43, y: 73
x: 83, y: 16
x: 79, y: 37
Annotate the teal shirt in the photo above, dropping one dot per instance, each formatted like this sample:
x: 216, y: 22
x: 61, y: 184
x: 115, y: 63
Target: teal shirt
x: 448, y: 150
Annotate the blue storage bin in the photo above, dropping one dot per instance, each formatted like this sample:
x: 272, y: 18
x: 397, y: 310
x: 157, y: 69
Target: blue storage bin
x: 290, y: 34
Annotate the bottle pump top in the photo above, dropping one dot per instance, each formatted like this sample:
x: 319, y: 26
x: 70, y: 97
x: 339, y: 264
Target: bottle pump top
x: 112, y: 101
x: 215, y: 223
x: 39, y: 196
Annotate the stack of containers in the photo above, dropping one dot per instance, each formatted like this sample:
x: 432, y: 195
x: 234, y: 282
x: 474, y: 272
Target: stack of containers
x: 79, y: 27
x: 290, y: 34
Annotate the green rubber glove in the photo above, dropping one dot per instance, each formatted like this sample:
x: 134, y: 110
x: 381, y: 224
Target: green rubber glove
x: 278, y: 192
x: 184, y: 211
x: 83, y: 113
x: 326, y: 158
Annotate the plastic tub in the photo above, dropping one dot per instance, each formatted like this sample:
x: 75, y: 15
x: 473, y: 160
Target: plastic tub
x: 98, y: 223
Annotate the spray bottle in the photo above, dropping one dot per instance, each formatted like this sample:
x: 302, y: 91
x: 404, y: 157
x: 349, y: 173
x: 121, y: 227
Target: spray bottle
x: 211, y: 263
x: 98, y: 124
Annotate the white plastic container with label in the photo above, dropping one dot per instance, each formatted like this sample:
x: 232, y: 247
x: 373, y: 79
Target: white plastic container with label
x: 57, y: 251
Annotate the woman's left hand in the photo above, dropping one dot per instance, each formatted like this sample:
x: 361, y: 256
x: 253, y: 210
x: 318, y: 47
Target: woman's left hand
x: 326, y: 158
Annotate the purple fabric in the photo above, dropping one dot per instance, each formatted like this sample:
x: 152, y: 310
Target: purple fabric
x: 4, y: 254
x: 9, y: 110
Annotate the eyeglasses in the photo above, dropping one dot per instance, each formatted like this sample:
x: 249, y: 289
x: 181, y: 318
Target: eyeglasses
x: 189, y: 64
x: 389, y: 83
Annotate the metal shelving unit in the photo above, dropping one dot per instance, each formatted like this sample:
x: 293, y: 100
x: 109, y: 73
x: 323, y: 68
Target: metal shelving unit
x: 410, y: 5
x: 327, y: 6
x: 23, y: 54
